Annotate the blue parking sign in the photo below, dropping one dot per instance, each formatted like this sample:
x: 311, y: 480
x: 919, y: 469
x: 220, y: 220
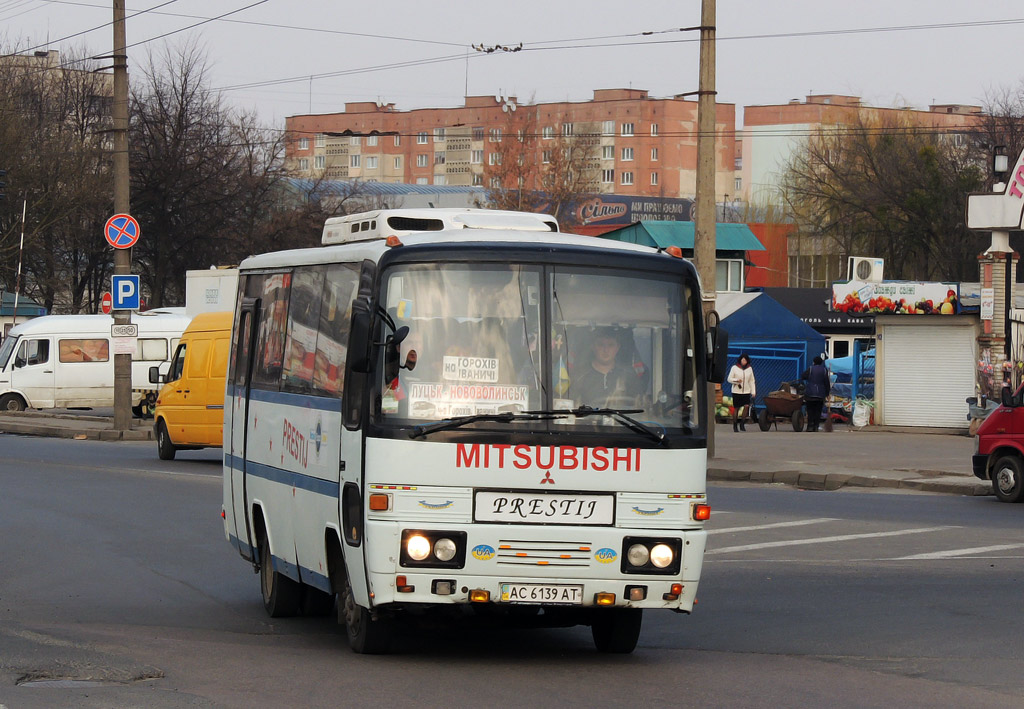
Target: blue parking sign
x: 125, y: 291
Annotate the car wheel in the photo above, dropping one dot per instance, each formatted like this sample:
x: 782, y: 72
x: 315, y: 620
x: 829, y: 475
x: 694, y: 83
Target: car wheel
x: 164, y: 447
x: 366, y: 635
x: 1007, y: 479
x: 282, y: 596
x: 616, y: 630
x: 11, y: 402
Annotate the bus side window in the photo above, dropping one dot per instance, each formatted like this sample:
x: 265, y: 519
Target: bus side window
x: 33, y: 352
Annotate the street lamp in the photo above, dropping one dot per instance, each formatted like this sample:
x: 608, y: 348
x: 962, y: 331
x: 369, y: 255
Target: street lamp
x: 1000, y: 162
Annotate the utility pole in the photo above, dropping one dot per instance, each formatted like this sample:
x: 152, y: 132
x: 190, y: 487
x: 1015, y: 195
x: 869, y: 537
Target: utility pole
x: 704, y: 225
x: 122, y: 257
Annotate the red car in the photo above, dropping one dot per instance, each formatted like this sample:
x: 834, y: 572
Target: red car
x: 999, y: 448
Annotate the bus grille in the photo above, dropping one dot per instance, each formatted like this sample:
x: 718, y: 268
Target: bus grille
x: 517, y: 552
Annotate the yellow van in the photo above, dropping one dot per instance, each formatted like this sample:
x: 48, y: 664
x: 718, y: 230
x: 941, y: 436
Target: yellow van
x: 190, y: 409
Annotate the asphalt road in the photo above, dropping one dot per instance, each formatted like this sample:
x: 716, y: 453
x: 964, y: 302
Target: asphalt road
x: 118, y: 589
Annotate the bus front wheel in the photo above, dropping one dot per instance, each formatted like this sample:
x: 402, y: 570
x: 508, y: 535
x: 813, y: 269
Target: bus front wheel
x: 164, y: 448
x: 366, y: 635
x: 616, y: 630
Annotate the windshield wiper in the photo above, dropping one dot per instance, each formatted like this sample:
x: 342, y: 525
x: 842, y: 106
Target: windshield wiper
x: 620, y: 415
x: 506, y: 417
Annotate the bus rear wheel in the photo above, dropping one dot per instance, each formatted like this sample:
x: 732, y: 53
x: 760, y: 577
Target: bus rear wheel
x: 366, y: 635
x: 616, y: 630
x: 282, y: 596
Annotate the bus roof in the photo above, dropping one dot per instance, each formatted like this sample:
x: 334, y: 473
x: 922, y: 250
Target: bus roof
x: 374, y: 249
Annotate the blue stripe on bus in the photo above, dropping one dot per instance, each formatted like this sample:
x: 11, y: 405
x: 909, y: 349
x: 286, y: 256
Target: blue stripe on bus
x: 285, y: 477
x: 305, y: 401
x: 308, y: 576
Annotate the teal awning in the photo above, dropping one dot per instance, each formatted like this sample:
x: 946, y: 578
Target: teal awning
x: 662, y: 234
x: 26, y: 306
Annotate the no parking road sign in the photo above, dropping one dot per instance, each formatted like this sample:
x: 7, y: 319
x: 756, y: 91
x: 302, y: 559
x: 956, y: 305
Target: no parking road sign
x: 126, y: 292
x: 122, y: 231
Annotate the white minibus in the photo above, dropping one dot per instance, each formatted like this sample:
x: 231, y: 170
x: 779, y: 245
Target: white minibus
x: 442, y: 408
x: 66, y: 361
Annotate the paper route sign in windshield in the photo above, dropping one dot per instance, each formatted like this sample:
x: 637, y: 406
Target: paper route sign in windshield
x: 441, y: 400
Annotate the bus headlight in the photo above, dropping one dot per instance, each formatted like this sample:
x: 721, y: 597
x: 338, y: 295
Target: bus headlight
x: 637, y: 555
x: 417, y: 547
x: 432, y: 549
x: 444, y: 549
x: 662, y: 555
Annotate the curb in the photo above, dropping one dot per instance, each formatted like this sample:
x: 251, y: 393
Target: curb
x: 835, y: 481
x: 105, y: 434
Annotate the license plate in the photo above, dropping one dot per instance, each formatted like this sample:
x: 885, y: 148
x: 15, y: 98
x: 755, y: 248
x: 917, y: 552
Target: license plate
x: 551, y: 508
x: 545, y: 593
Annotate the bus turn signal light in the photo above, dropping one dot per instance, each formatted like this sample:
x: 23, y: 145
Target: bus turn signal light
x: 479, y: 595
x: 604, y: 599
x: 702, y: 513
x: 379, y: 502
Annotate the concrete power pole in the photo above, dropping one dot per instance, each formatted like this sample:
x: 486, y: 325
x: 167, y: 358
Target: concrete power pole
x: 704, y: 226
x: 122, y: 257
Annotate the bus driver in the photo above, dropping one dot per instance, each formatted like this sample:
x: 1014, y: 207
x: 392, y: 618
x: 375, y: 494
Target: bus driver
x: 604, y: 382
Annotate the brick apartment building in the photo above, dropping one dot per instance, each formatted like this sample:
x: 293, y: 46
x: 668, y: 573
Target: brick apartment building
x: 772, y: 134
x: 637, y: 145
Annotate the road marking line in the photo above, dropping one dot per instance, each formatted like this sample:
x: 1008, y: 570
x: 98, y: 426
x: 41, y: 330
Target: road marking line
x: 825, y: 540
x: 950, y: 553
x: 776, y: 525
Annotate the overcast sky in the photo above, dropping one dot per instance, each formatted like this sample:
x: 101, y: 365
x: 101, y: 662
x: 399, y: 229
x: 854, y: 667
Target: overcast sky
x: 769, y: 51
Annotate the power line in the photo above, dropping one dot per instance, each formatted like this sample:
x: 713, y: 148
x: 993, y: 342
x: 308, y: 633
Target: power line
x: 273, y: 25
x: 93, y: 29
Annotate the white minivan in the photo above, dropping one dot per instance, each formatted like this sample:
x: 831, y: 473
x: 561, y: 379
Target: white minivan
x: 66, y: 361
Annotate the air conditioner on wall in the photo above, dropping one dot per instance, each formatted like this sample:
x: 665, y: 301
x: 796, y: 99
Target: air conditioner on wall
x: 865, y: 268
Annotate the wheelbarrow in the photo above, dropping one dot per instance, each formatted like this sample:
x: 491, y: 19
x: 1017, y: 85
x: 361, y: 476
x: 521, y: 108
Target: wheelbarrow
x: 784, y: 404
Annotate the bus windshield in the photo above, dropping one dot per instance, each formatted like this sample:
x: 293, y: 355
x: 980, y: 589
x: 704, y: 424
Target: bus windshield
x: 499, y: 338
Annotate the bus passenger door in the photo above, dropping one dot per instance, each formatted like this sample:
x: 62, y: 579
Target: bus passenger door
x: 236, y: 455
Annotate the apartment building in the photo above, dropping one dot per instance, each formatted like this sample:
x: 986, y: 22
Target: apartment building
x: 631, y: 143
x: 773, y: 134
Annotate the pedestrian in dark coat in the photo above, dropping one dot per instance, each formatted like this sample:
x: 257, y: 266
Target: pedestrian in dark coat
x: 817, y: 390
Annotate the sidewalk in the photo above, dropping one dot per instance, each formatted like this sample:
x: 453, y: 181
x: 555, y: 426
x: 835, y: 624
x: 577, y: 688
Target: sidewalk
x: 64, y: 423
x: 846, y: 457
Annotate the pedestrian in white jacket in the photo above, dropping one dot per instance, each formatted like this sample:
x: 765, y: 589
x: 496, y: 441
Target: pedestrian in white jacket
x: 741, y: 376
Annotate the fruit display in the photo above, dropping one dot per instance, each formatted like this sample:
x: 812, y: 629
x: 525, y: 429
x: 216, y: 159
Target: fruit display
x: 884, y: 305
x: 725, y: 409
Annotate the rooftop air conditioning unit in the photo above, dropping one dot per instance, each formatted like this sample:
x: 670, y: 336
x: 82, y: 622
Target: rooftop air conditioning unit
x: 865, y: 268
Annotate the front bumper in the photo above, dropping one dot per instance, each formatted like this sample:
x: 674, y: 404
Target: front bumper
x: 980, y: 463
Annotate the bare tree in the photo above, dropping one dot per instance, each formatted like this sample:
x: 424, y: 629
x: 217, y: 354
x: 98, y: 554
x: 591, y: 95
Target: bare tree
x: 885, y: 187
x: 54, y: 144
x: 528, y: 170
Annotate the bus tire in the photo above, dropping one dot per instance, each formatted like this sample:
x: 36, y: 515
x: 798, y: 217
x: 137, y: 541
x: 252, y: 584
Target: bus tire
x: 164, y: 447
x: 1007, y: 478
x: 616, y: 630
x: 316, y: 602
x: 366, y: 635
x: 282, y: 596
x: 11, y: 402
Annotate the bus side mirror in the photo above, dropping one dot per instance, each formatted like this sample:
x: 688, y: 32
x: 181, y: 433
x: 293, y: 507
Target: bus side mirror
x: 359, y: 338
x: 392, y: 356
x: 154, y: 375
x: 718, y: 350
